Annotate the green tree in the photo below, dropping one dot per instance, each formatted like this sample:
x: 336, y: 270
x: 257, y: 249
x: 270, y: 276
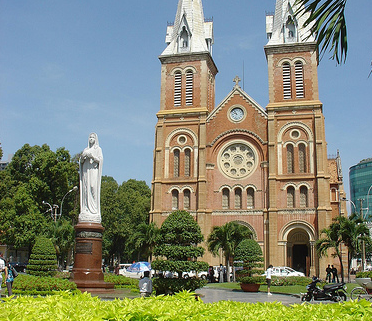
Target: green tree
x: 144, y: 239
x: 353, y: 232
x: 34, y: 175
x: 1, y: 152
x: 178, y: 241
x: 123, y: 209
x: 43, y: 259
x: 328, y: 24
x: 331, y: 240
x: 227, y: 237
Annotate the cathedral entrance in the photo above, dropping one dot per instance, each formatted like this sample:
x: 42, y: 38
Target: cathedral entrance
x: 298, y: 251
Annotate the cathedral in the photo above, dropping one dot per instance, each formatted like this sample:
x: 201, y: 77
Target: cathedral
x: 265, y: 168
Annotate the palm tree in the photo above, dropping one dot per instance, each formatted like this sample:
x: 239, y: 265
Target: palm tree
x: 328, y: 25
x: 227, y: 237
x: 352, y: 231
x: 144, y: 239
x: 331, y: 239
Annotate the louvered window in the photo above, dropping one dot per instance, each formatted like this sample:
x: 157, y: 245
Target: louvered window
x: 176, y: 156
x: 186, y: 199
x: 177, y: 88
x: 225, y: 198
x: 287, y: 81
x: 189, y: 87
x: 299, y: 79
x: 290, y: 159
x: 238, y: 198
x: 290, y: 197
x: 303, y: 196
x: 175, y: 199
x: 250, y: 198
x: 187, y: 162
x: 302, y: 157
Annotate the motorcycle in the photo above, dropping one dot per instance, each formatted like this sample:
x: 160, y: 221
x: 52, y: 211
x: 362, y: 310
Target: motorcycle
x: 334, y: 292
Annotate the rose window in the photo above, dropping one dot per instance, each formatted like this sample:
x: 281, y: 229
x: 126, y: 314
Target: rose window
x: 237, y: 160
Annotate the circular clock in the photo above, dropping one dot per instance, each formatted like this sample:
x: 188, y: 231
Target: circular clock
x: 236, y: 114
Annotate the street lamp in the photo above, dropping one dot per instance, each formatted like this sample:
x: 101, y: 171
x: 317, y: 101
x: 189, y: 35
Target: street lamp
x: 347, y: 200
x: 54, y: 209
x: 368, y: 199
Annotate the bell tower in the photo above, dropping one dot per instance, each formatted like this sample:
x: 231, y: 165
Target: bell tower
x: 187, y: 96
x: 298, y: 174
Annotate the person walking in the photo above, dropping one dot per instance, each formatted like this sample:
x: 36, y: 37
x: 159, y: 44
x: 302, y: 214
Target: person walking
x: 9, y: 278
x: 145, y: 285
x: 269, y: 271
x: 334, y: 275
x: 220, y: 273
x: 328, y: 274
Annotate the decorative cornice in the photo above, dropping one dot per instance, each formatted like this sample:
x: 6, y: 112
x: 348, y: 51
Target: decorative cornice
x: 296, y: 211
x: 245, y: 212
x: 233, y: 131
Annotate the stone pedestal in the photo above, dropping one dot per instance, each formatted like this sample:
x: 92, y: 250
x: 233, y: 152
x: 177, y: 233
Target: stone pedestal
x: 87, y: 272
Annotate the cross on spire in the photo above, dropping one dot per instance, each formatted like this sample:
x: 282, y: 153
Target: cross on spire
x: 236, y: 81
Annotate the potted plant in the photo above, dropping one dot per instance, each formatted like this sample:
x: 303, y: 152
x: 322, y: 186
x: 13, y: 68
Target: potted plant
x: 250, y: 254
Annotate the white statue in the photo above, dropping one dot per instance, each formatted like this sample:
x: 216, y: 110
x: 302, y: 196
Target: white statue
x: 90, y: 181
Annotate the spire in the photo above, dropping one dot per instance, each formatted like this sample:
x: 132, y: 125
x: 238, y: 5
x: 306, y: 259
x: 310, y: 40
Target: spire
x: 189, y: 33
x: 284, y: 27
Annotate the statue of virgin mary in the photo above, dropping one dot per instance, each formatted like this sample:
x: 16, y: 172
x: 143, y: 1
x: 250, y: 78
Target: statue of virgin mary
x: 90, y: 181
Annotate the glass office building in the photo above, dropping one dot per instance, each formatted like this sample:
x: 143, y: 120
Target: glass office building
x: 360, y: 177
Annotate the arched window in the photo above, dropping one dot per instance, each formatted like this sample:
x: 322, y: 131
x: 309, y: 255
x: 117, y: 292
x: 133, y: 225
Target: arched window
x: 334, y: 195
x: 189, y: 87
x: 176, y: 164
x: 287, y: 93
x: 250, y: 198
x: 175, y: 199
x: 177, y: 88
x: 225, y: 198
x: 187, y: 162
x: 238, y: 198
x: 186, y: 199
x: 290, y: 197
x: 290, y: 159
x: 299, y: 75
x: 303, y: 196
x: 302, y: 158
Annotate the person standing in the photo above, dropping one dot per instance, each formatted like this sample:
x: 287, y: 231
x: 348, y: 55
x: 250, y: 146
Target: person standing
x: 145, y: 285
x: 269, y: 271
x: 328, y: 274
x: 9, y: 278
x: 2, y: 268
x: 334, y: 274
x: 220, y: 273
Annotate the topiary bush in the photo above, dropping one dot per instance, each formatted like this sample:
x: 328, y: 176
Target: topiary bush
x: 177, y: 241
x: 43, y: 259
x: 249, y: 252
x: 365, y: 274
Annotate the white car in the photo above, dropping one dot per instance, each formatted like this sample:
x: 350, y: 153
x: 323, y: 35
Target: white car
x: 123, y: 268
x: 284, y: 271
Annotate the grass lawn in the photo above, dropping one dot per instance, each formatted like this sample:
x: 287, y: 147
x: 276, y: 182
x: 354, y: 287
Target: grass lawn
x: 289, y: 289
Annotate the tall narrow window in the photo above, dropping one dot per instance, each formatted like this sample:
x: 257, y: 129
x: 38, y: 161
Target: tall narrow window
x: 176, y: 164
x: 250, y: 198
x: 186, y: 199
x: 299, y: 75
x: 290, y: 197
x: 189, y: 87
x: 303, y: 196
x: 287, y: 81
x: 290, y: 159
x: 187, y: 162
x: 302, y: 158
x: 238, y: 198
x: 177, y: 88
x: 225, y: 198
x: 175, y: 199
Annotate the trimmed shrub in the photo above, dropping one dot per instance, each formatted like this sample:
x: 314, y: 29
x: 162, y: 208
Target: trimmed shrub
x: 249, y: 252
x: 43, y: 259
x: 366, y: 274
x: 121, y: 281
x: 177, y: 242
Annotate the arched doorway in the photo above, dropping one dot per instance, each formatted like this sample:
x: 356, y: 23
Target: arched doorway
x: 299, y: 251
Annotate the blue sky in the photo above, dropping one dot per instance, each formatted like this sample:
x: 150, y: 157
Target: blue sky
x: 70, y: 67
